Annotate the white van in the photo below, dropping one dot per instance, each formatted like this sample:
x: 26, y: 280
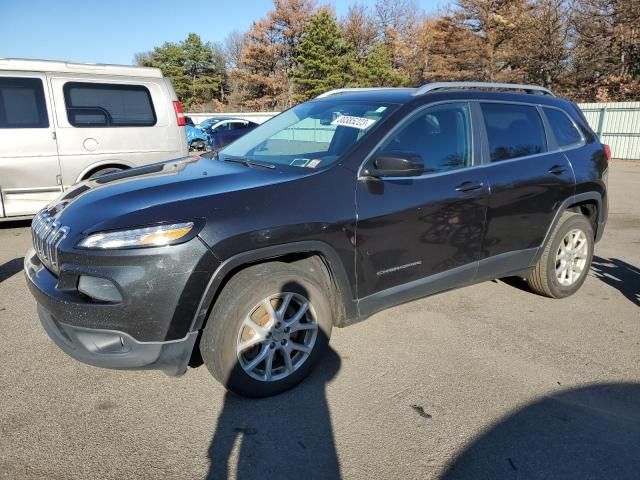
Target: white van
x: 65, y: 122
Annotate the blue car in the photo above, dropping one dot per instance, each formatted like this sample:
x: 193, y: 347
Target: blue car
x: 221, y: 131
x: 196, y: 137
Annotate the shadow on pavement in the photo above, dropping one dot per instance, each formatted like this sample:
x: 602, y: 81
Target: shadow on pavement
x: 585, y: 433
x: 285, y: 436
x: 14, y: 224
x: 620, y: 275
x: 10, y: 268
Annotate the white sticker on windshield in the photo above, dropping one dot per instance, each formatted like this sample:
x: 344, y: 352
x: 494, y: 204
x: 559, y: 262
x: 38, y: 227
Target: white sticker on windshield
x: 360, y: 123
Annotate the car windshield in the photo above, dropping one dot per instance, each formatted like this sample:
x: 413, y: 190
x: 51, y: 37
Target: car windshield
x: 310, y: 135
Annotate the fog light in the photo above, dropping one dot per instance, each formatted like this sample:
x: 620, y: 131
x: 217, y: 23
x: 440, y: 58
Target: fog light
x: 99, y: 289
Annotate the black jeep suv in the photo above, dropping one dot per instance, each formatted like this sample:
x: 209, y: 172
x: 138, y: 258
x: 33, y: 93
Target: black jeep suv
x: 335, y: 209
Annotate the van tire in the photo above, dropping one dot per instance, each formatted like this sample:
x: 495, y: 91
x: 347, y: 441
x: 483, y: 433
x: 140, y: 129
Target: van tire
x: 240, y: 298
x: 543, y: 279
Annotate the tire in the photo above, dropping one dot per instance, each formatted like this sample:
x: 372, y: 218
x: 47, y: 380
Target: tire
x: 104, y: 171
x: 242, y: 300
x: 544, y: 279
x: 196, y: 145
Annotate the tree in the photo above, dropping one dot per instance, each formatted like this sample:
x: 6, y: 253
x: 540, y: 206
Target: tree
x: 543, y: 42
x: 359, y: 30
x: 606, y: 49
x: 261, y: 75
x: 268, y: 59
x: 397, y: 22
x: 496, y: 23
x: 376, y: 70
x: 322, y: 58
x: 196, y: 69
x: 453, y: 51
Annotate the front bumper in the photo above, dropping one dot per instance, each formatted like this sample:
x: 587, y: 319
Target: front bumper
x: 149, y: 328
x: 114, y: 349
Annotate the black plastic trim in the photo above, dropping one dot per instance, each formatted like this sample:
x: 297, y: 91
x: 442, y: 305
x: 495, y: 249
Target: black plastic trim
x: 505, y: 264
x: 422, y: 287
x: 334, y: 264
x: 580, y: 197
x: 97, y: 347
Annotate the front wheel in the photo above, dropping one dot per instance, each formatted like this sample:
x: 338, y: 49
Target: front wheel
x: 267, y: 330
x: 566, y: 259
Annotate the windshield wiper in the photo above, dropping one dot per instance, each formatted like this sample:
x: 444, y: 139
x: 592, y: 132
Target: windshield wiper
x: 249, y: 163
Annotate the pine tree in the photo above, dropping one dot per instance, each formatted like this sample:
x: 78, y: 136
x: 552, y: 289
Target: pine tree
x: 376, y: 69
x: 322, y: 59
x: 196, y: 69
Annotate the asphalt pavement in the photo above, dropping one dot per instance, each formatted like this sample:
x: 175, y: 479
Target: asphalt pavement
x: 486, y: 382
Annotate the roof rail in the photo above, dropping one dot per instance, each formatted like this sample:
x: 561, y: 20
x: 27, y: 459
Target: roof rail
x: 345, y: 90
x: 532, y: 89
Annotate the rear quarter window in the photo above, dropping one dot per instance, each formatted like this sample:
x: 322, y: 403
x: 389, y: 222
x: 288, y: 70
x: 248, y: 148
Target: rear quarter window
x: 513, y: 130
x: 564, y: 130
x: 108, y: 105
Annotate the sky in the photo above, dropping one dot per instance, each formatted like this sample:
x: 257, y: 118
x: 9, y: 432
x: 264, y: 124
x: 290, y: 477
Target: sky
x: 112, y: 31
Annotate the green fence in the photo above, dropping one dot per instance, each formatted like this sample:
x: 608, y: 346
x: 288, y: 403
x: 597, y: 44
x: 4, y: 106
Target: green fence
x: 618, y: 125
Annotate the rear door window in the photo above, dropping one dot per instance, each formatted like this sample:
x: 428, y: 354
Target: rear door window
x: 513, y: 130
x: 563, y: 128
x: 108, y: 105
x: 22, y: 103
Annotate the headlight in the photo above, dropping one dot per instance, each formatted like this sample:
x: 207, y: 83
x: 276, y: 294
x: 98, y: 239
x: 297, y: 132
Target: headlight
x: 139, y: 237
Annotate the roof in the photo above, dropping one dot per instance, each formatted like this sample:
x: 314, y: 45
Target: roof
x: 407, y: 95
x: 404, y: 95
x: 27, y: 65
x: 393, y: 95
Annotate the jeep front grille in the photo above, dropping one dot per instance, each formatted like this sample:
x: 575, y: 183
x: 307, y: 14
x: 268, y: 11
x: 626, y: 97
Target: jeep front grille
x: 47, y: 234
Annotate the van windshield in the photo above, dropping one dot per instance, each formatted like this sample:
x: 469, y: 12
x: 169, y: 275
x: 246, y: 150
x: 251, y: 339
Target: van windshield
x: 310, y: 135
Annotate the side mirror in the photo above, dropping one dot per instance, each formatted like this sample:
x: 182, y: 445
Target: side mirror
x: 396, y: 164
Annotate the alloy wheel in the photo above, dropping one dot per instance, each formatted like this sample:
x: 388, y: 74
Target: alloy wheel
x: 277, y: 336
x: 571, y: 257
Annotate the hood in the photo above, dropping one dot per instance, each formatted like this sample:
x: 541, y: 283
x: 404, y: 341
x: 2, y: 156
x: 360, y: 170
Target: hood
x: 173, y: 191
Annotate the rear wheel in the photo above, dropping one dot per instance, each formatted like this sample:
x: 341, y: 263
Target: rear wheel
x: 566, y: 259
x: 267, y: 330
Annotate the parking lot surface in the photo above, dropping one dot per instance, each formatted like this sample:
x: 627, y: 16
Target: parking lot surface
x: 490, y: 381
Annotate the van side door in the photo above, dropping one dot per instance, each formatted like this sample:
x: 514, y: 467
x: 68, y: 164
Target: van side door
x: 529, y: 178
x: 29, y: 168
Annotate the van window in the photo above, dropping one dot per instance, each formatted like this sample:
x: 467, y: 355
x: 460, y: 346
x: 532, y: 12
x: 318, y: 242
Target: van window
x: 22, y: 103
x: 108, y: 105
x: 513, y: 130
x: 563, y: 128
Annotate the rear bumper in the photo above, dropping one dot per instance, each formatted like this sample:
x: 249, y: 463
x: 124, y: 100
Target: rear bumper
x: 114, y: 349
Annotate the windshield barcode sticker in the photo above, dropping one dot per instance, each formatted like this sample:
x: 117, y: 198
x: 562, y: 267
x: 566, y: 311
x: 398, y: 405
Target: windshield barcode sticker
x: 360, y: 123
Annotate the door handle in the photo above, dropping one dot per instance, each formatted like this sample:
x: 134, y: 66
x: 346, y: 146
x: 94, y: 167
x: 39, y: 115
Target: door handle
x: 469, y: 186
x: 557, y: 170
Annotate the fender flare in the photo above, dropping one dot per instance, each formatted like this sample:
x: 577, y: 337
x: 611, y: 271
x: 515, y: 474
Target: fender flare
x: 580, y: 197
x: 331, y: 259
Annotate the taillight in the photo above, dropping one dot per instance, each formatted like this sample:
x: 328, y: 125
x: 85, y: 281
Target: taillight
x: 607, y: 151
x: 179, y: 113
